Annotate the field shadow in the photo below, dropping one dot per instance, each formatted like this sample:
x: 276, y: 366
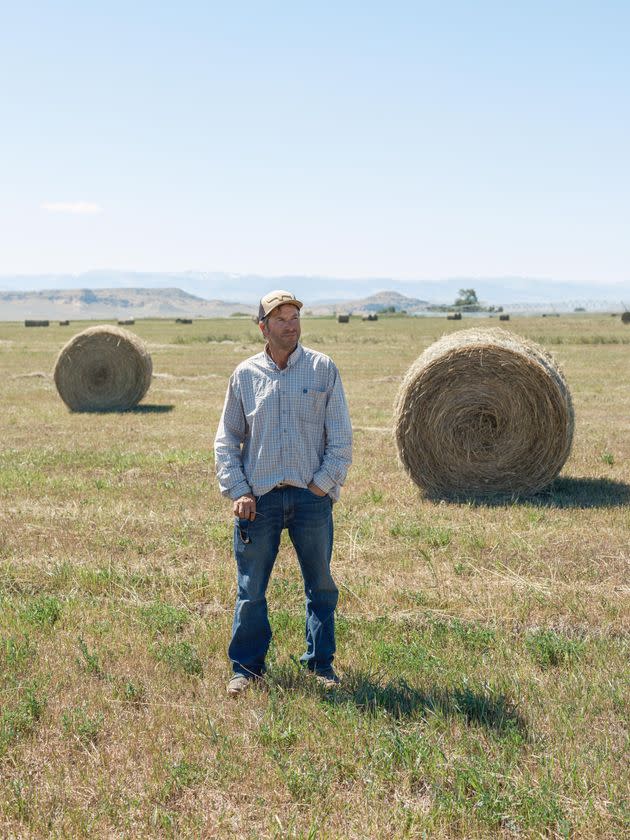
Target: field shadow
x: 371, y: 695
x: 400, y: 700
x: 584, y: 493
x: 565, y: 492
x: 148, y: 408
x: 145, y: 408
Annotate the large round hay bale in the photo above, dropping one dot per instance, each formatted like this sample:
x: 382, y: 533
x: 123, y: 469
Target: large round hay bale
x: 625, y: 318
x: 103, y: 368
x: 481, y: 413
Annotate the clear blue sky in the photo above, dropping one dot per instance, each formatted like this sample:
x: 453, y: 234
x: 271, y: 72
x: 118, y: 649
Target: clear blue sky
x: 409, y: 140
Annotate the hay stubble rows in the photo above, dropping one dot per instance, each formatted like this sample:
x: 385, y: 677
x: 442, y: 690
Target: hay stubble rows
x: 486, y: 645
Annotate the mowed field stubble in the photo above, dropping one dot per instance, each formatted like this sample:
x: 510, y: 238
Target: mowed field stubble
x: 484, y: 646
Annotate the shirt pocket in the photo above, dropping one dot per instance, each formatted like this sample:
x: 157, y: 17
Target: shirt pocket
x: 310, y: 406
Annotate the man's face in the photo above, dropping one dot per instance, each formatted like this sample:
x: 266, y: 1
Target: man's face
x: 282, y: 329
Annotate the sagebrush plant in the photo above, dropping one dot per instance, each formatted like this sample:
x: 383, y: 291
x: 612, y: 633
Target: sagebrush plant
x: 484, y: 646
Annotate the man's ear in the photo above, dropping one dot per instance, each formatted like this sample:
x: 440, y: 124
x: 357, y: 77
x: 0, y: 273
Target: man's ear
x: 263, y: 328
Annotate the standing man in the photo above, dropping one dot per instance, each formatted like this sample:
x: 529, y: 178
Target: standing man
x: 282, y: 450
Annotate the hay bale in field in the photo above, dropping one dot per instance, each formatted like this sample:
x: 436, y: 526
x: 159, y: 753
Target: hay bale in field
x: 483, y: 412
x: 128, y: 323
x: 183, y: 320
x: 64, y: 323
x: 625, y: 318
x: 31, y: 323
x: 103, y: 369
x: 454, y: 316
x: 343, y: 319
x: 504, y: 317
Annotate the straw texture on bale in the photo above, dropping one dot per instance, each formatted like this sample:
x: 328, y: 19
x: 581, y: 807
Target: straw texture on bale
x: 482, y: 413
x: 103, y: 368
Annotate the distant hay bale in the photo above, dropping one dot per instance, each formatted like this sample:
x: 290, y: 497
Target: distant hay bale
x: 183, y: 320
x: 482, y: 413
x: 504, y: 317
x: 127, y: 323
x: 454, y: 316
x: 343, y: 319
x: 31, y: 323
x: 64, y: 323
x: 103, y: 368
x: 625, y: 318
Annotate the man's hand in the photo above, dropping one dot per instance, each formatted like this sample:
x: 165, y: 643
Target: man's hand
x: 245, y: 507
x: 315, y: 489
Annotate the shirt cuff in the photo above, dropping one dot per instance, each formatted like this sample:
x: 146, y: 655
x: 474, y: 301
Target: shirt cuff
x: 240, y: 489
x: 323, y: 481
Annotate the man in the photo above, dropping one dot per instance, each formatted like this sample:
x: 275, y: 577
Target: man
x: 282, y: 451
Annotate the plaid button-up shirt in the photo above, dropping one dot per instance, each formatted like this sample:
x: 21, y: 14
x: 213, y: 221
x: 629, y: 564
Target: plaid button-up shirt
x: 289, y: 425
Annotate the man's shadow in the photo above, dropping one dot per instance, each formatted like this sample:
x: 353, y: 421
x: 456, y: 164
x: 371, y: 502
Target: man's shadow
x: 371, y: 695
x: 564, y: 492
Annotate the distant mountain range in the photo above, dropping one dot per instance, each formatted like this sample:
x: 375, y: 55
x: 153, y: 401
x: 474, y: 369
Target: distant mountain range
x: 82, y: 304
x: 90, y: 304
x: 215, y: 287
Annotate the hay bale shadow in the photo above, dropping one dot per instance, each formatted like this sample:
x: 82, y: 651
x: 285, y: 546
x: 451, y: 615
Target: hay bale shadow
x: 147, y: 408
x: 563, y: 492
x: 568, y: 492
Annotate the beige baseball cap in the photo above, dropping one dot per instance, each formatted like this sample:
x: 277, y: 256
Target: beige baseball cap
x: 276, y: 298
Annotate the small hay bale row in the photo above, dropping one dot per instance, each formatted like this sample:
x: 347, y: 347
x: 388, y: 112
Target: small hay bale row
x: 128, y: 323
x: 482, y: 413
x: 31, y: 323
x: 504, y: 317
x: 103, y: 369
x: 625, y: 318
x: 372, y: 317
x: 454, y: 316
x: 343, y: 319
x: 183, y: 320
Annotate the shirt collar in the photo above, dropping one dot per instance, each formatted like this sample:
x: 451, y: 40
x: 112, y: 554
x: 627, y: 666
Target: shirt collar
x: 292, y: 360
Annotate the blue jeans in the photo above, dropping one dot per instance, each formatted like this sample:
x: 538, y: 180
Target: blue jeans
x: 309, y: 520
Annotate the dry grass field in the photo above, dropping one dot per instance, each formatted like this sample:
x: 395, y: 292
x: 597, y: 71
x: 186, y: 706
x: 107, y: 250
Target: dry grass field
x: 484, y: 646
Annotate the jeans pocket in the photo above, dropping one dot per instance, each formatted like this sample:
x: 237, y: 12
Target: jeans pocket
x: 242, y: 529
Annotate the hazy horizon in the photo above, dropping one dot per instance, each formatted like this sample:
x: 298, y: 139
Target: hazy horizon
x: 248, y: 288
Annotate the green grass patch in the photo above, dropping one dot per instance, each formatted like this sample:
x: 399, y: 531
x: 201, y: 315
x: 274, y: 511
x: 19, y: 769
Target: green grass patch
x: 180, y: 656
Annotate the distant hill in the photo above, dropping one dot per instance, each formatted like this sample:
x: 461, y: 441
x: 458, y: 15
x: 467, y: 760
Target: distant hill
x: 373, y: 303
x: 317, y: 291
x: 90, y: 304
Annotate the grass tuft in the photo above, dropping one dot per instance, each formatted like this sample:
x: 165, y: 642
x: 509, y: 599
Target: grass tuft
x: 180, y: 656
